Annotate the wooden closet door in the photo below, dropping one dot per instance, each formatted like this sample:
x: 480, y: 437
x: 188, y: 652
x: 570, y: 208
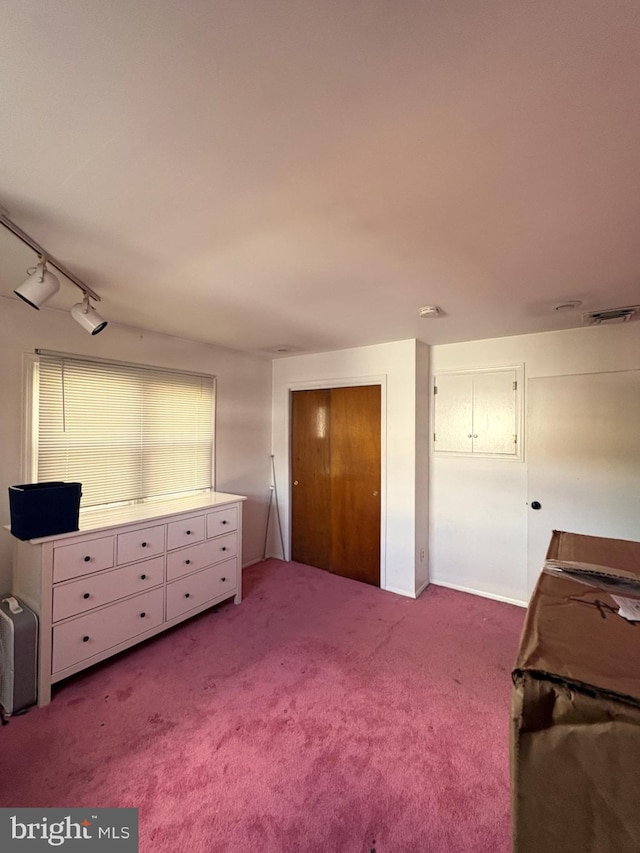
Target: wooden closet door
x: 355, y: 483
x: 310, y: 478
x: 335, y: 466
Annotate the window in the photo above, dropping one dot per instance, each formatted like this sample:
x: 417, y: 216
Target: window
x: 128, y: 433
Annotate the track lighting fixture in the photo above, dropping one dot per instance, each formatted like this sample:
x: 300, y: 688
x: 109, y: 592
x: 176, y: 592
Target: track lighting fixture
x: 40, y: 286
x: 87, y: 316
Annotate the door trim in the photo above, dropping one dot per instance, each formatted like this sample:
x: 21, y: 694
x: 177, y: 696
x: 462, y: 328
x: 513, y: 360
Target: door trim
x: 345, y: 382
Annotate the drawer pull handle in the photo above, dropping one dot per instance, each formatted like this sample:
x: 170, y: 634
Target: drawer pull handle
x: 187, y: 595
x: 86, y: 559
x: 187, y: 562
x: 225, y: 522
x: 224, y: 548
x: 222, y: 580
x: 144, y: 544
x: 188, y: 533
x: 85, y: 639
x: 142, y: 615
x: 86, y: 595
x: 143, y: 577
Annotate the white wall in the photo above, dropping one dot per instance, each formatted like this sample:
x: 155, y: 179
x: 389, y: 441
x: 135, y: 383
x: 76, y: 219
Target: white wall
x: 405, y: 458
x: 243, y: 433
x: 479, y: 513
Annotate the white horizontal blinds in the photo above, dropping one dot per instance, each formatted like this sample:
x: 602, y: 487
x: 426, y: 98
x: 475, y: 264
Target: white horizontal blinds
x: 127, y: 433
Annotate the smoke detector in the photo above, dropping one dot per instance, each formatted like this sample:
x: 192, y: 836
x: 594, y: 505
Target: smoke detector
x: 430, y: 311
x: 611, y: 315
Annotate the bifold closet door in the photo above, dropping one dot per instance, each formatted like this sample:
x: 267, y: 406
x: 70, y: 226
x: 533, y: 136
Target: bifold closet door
x: 355, y: 483
x: 335, y: 456
x: 311, y: 478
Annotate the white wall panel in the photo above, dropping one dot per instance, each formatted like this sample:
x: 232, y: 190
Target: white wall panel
x: 403, y: 426
x: 478, y: 507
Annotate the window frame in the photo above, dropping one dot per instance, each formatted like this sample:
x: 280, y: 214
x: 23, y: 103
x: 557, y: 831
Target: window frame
x: 30, y: 419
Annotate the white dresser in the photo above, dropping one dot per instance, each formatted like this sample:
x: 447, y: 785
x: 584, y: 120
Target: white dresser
x: 127, y: 574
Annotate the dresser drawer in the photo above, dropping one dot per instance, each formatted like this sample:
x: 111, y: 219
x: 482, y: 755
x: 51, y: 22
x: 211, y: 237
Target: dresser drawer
x: 222, y: 521
x: 185, y: 532
x: 139, y: 544
x: 94, y: 590
x: 82, y: 558
x: 88, y: 635
x: 189, y: 592
x: 199, y: 556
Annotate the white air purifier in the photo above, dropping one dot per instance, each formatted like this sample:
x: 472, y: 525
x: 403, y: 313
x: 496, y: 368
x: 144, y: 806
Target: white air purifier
x: 18, y: 655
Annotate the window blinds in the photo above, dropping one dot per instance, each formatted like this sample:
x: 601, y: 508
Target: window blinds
x: 128, y: 433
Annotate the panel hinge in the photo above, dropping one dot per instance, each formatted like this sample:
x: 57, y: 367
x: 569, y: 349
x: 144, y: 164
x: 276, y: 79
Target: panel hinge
x: 515, y: 385
x: 515, y: 439
x: 434, y: 437
x: 435, y: 389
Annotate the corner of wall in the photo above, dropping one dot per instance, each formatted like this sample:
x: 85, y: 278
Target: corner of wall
x: 423, y: 444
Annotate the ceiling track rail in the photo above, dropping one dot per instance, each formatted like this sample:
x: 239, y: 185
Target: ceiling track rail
x: 37, y: 248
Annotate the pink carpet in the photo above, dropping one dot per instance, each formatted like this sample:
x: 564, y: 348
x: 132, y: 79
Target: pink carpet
x: 320, y: 716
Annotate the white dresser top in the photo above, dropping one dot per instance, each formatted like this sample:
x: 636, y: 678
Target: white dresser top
x: 92, y: 520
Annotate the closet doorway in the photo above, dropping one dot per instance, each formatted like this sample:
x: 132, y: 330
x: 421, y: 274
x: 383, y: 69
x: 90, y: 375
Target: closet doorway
x: 335, y: 480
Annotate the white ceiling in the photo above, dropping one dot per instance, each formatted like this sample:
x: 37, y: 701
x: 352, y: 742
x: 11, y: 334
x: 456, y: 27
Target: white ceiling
x: 309, y: 174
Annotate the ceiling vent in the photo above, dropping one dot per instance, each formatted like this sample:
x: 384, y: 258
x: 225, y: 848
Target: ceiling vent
x: 612, y: 315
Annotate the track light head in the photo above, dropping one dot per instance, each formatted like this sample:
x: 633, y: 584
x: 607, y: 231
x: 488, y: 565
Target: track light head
x: 88, y: 317
x: 40, y: 286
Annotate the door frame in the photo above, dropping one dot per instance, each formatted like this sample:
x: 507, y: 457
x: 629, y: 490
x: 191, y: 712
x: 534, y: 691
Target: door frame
x: 345, y: 382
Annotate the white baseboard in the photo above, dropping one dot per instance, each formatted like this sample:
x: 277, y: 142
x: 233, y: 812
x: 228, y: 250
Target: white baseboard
x: 398, y: 591
x: 422, y: 588
x: 253, y: 562
x: 481, y: 593
x: 404, y: 592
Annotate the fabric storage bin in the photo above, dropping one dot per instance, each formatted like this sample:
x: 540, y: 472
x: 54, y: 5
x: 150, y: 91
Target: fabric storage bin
x: 44, y: 509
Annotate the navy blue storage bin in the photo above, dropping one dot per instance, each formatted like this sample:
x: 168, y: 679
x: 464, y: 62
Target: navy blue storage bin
x: 44, y: 509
